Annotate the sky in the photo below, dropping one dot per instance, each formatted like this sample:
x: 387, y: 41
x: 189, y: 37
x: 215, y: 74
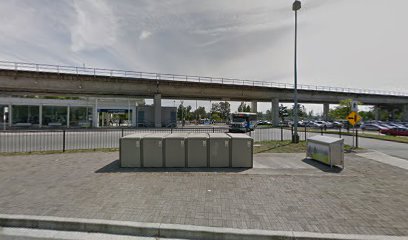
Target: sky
x: 345, y: 43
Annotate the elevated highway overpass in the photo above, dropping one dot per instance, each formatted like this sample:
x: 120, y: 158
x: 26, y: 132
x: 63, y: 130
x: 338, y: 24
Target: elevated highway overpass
x: 42, y: 79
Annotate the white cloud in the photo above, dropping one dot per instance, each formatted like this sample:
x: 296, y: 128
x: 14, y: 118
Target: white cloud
x: 144, y: 35
x: 95, y: 26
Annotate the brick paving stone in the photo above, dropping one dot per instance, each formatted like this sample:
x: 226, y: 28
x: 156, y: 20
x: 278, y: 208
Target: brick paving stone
x: 367, y: 197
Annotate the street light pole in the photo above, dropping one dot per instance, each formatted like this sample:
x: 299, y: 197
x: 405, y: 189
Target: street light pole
x: 295, y: 138
x: 182, y: 113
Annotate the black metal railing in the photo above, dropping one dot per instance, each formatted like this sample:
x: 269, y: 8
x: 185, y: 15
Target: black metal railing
x: 12, y: 141
x: 42, y: 140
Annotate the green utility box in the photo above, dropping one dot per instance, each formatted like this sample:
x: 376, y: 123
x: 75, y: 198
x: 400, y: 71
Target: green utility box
x: 327, y: 150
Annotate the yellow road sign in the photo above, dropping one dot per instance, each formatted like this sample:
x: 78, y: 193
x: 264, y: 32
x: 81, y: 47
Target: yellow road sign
x: 353, y: 118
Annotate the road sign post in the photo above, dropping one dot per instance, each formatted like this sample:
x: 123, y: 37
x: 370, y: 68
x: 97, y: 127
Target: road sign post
x: 353, y: 118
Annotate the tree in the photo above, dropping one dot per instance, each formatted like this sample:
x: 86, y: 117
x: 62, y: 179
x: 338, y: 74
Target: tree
x: 215, y: 108
x: 243, y: 107
x: 367, y: 115
x: 310, y: 115
x: 180, y: 112
x: 225, y: 110
x: 184, y: 112
x: 341, y: 111
x: 189, y: 116
x: 260, y: 116
x: 216, y: 117
x: 283, y: 112
x: 200, y: 113
x: 301, y: 111
x: 268, y: 115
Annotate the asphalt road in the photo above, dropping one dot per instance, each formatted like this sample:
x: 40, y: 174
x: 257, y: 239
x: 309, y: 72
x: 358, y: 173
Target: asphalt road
x: 394, y: 149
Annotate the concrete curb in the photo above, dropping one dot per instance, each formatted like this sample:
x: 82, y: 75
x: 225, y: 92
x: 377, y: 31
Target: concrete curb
x: 170, y: 230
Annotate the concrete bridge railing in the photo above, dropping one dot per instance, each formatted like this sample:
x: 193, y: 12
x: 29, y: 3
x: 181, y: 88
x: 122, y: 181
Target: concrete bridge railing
x: 34, y: 67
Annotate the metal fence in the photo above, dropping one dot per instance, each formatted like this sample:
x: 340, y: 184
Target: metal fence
x: 13, y: 141
x: 34, y: 67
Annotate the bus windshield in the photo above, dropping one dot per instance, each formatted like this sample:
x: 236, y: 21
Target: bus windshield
x: 238, y: 119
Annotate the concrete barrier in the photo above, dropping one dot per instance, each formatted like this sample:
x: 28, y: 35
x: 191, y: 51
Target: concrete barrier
x: 161, y: 230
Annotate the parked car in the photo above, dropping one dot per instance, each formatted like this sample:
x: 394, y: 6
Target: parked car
x: 394, y: 124
x: 372, y: 126
x: 323, y: 124
x: 386, y: 125
x: 395, y: 131
x: 338, y: 124
x: 263, y: 122
x: 317, y: 124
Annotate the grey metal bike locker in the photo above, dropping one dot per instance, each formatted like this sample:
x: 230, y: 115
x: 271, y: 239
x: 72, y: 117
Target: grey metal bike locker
x: 241, y: 150
x: 219, y: 150
x: 130, y: 150
x: 153, y: 150
x: 197, y: 150
x: 175, y: 150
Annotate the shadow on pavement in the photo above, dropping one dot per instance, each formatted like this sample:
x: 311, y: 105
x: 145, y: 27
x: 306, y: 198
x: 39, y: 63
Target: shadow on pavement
x: 114, y: 167
x: 321, y: 166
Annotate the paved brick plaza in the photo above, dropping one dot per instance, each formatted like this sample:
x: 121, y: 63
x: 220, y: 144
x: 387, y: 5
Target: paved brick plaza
x: 285, y: 193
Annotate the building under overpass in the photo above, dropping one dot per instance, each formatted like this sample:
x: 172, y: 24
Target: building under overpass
x: 34, y: 112
x: 23, y: 78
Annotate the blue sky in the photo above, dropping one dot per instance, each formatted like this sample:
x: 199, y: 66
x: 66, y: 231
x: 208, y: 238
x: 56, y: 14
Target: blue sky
x: 346, y: 43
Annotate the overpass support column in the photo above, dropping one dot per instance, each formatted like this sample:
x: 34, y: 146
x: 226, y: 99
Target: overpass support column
x: 40, y: 116
x: 68, y: 113
x: 326, y: 108
x: 377, y: 113
x: 134, y: 109
x: 275, y: 112
x: 254, y: 106
x: 405, y: 113
x: 10, y: 116
x: 95, y: 115
x: 157, y: 111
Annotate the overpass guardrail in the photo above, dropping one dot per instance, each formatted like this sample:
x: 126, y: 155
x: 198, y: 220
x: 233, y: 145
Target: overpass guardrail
x: 34, y: 67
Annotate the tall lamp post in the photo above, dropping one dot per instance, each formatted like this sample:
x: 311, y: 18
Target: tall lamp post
x: 182, y: 113
x: 295, y: 138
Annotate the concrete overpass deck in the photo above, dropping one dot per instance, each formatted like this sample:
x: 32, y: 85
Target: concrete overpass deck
x: 47, y: 79
x: 23, y: 78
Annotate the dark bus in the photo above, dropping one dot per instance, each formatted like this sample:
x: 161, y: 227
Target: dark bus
x: 242, y: 122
